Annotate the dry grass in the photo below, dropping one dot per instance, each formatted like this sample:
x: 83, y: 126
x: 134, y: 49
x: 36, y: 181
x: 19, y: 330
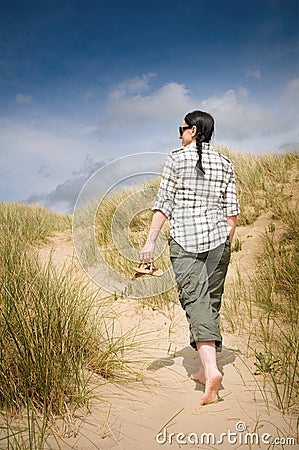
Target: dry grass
x: 53, y: 334
x: 265, y: 183
x: 52, y: 337
x: 265, y: 305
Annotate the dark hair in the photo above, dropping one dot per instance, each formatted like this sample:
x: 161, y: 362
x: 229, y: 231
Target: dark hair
x: 204, y: 123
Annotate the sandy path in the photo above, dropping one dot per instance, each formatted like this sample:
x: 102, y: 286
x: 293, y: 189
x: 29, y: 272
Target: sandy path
x: 139, y: 411
x: 129, y: 416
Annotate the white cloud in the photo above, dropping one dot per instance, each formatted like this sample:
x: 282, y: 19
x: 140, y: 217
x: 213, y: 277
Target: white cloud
x: 37, y: 160
x: 130, y: 170
x: 241, y: 121
x: 25, y: 99
x: 291, y: 94
x: 132, y: 86
x: 144, y: 122
x: 63, y: 197
x: 47, y: 166
x: 87, y: 96
x: 154, y: 114
x: 240, y: 118
x: 254, y: 73
x: 246, y: 124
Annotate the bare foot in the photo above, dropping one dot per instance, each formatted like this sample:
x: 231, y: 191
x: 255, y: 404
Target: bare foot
x: 211, y: 391
x: 198, y: 376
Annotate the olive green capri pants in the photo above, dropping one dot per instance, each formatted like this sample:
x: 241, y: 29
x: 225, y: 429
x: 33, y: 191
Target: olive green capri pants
x: 200, y: 280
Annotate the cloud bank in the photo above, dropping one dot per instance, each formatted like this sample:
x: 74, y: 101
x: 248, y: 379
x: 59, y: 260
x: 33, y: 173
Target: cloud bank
x: 242, y: 122
x: 47, y: 165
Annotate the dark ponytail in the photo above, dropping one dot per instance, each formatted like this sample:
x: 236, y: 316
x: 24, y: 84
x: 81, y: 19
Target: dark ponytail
x: 204, y: 123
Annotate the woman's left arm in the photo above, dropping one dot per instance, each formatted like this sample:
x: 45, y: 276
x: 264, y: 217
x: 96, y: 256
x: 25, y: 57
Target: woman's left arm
x: 232, y: 223
x: 231, y: 205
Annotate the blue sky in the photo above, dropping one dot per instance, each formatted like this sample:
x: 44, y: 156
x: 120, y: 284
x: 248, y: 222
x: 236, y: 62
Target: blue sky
x: 83, y: 83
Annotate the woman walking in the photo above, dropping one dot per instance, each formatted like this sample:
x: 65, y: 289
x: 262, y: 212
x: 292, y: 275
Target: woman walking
x: 198, y: 195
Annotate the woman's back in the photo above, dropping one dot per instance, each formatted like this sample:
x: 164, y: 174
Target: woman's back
x: 200, y: 202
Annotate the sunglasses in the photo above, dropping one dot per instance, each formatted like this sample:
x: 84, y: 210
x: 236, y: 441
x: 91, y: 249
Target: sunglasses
x: 182, y: 129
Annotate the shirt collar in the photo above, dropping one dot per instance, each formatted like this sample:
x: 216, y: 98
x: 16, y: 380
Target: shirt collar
x: 205, y: 145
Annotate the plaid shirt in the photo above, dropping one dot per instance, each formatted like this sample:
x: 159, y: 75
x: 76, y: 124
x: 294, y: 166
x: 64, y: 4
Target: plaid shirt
x: 197, y: 204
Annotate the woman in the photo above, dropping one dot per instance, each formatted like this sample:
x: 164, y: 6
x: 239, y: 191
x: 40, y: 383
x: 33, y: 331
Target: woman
x: 198, y: 195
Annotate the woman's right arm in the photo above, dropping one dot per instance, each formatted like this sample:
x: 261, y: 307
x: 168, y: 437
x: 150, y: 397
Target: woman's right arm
x: 147, y: 253
x: 162, y: 207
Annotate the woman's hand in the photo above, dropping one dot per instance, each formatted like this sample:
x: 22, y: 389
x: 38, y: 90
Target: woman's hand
x: 147, y: 253
x: 232, y: 223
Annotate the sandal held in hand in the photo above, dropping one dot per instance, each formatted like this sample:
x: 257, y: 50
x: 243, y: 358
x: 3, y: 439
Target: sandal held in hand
x: 148, y: 269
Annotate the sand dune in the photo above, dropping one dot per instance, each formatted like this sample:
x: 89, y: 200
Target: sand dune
x: 162, y: 408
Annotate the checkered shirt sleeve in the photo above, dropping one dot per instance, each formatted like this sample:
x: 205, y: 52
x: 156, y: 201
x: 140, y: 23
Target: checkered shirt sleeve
x: 167, y: 189
x: 230, y: 203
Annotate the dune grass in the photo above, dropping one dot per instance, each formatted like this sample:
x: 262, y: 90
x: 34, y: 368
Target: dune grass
x: 267, y: 182
x: 277, y: 294
x: 51, y: 338
x: 53, y: 334
x: 121, y: 234
x: 261, y: 179
x: 265, y: 305
x: 29, y: 225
